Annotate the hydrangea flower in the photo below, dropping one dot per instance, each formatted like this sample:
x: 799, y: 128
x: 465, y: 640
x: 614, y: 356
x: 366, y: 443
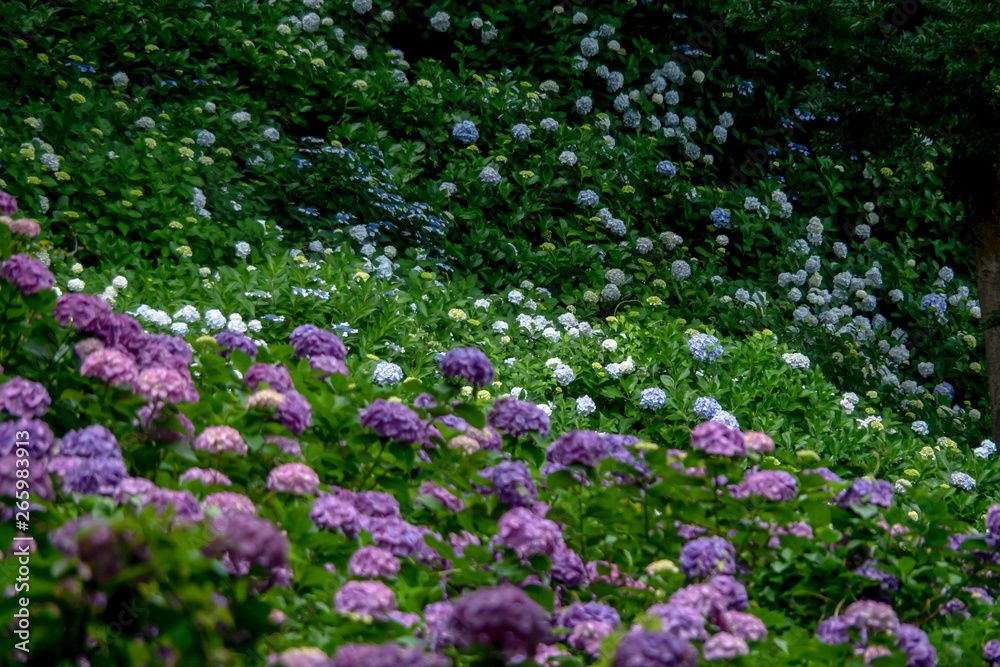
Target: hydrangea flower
x: 387, y: 373
x: 465, y: 132
x: 704, y: 347
x: 652, y: 398
x: 666, y: 168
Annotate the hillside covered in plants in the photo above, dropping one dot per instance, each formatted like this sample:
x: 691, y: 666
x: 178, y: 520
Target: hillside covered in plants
x: 380, y: 334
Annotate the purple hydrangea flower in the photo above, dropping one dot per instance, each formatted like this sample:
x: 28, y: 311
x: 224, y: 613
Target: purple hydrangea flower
x: 775, y: 485
x: 871, y: 615
x: 218, y: 439
x: 518, y: 418
x: 863, y: 491
x: 182, y: 503
x: 8, y: 204
x: 395, y: 535
x: 655, y: 649
x: 703, y: 598
x: 528, y: 534
x: 88, y: 346
x: 587, y: 636
x: 247, y: 544
x: 680, y: 621
x: 512, y: 483
x: 368, y: 598
x: 38, y: 479
x: 24, y: 398
x: 827, y: 474
x: 578, y: 612
x: 502, y: 617
x: 451, y: 502
x: 204, y: 475
x: 163, y: 385
x: 993, y: 520
x: 385, y: 655
x: 294, y: 413
x: 27, y: 274
x: 706, y: 556
x: 90, y: 476
x: 275, y: 375
x: 295, y: 478
x: 833, y: 630
x: 372, y: 562
x: 327, y: 365
x: 285, y: 445
x: 39, y: 438
x: 229, y: 503
x: 122, y: 330
x: 376, y: 504
x: 746, y: 626
x: 303, y: 656
x: 94, y: 441
x: 717, y: 438
x: 330, y: 512
x: 110, y: 365
x: 309, y: 340
x: 724, y: 646
x: 577, y: 447
x: 991, y: 651
x: 468, y: 363
x: 886, y: 581
x: 919, y: 651
x: 568, y: 567
x: 234, y: 340
x: 394, y: 421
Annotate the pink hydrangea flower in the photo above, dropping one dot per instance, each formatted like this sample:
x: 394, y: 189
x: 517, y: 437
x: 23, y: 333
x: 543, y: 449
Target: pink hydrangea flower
x: 295, y: 478
x: 218, y: 439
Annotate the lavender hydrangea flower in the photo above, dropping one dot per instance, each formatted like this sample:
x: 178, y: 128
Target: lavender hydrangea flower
x: 331, y: 513
x: 993, y: 520
x: 502, y: 617
x: 33, y: 435
x: 518, y: 418
x: 655, y: 649
x: 372, y: 562
x: 528, y: 534
x: 706, y: 556
x: 27, y: 274
x: 468, y: 363
x: 578, y: 612
x: 757, y: 442
x: 160, y: 384
x: 718, y: 439
x: 24, y: 398
x: 295, y: 478
x: 666, y: 168
x: 833, y: 630
x: 732, y: 592
x: 8, y: 203
x: 368, y: 598
x: 122, y: 330
x: 395, y: 535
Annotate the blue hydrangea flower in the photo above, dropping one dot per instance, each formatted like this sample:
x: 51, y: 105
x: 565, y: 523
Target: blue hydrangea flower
x: 745, y: 88
x: 720, y: 218
x: 704, y: 347
x: 706, y: 407
x: 584, y: 105
x: 796, y: 360
x: 465, y: 132
x: 680, y: 270
x: 726, y: 418
x: 588, y: 198
x: 652, y: 398
x: 521, y: 131
x: 489, y: 176
x: 962, y: 481
x: 935, y: 301
x: 920, y: 427
x: 985, y: 449
x: 945, y: 389
x: 666, y: 168
x: 387, y: 373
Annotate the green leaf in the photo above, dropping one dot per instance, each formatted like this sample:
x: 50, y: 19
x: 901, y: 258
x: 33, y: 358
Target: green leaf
x: 471, y: 414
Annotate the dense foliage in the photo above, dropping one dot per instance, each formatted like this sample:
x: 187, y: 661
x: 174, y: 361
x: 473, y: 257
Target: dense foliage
x: 341, y: 334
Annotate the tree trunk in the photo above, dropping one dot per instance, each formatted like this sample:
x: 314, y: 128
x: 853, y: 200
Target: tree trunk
x: 983, y: 210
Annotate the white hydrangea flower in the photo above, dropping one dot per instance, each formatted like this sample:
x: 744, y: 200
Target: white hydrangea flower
x: 585, y: 406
